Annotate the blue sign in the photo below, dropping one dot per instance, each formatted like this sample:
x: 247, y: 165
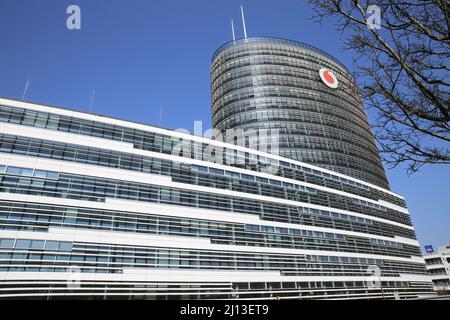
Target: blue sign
x: 429, y: 249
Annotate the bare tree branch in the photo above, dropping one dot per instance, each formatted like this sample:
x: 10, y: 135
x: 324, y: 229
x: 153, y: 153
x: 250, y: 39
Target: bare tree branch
x: 403, y: 72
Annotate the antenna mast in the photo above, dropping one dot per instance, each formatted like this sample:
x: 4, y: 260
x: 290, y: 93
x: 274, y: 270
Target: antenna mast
x: 243, y: 22
x: 232, y: 30
x: 25, y: 89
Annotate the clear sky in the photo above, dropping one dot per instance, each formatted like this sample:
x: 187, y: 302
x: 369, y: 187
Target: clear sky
x: 143, y: 56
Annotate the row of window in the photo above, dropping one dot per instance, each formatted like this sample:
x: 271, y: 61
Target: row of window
x: 217, y: 232
x: 38, y: 217
x: 316, y: 114
x: 105, y: 258
x: 246, y: 56
x: 385, y: 242
x: 35, y: 244
x: 369, y: 204
x: 27, y: 172
x: 97, y: 189
x: 248, y: 177
x: 61, y: 151
x: 147, y: 140
x: 297, y: 232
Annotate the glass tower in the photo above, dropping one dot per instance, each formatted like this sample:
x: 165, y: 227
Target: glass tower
x: 271, y: 83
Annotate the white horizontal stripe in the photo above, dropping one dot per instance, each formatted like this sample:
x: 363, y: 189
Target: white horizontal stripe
x: 64, y: 137
x: 435, y: 266
x: 82, y: 169
x: 440, y: 277
x: 87, y: 116
x: 431, y: 256
x: 392, y: 206
x: 205, y: 276
x: 165, y: 241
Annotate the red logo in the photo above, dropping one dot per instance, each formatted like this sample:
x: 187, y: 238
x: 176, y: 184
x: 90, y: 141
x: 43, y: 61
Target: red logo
x: 328, y: 78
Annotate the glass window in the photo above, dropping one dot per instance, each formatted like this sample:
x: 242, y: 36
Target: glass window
x: 334, y: 259
x: 216, y: 171
x: 26, y: 172
x: 13, y: 170
x: 232, y: 174
x: 6, y: 243
x: 2, y: 169
x: 40, y: 173
x: 51, y: 245
x: 52, y: 175
x: 251, y: 227
x: 312, y: 190
x: 288, y: 185
x: 285, y: 164
x: 282, y: 230
x: 65, y: 246
x: 263, y: 180
x: 318, y: 234
x: 37, y: 244
x: 23, y: 244
x: 247, y: 177
x: 199, y: 168
x: 275, y: 182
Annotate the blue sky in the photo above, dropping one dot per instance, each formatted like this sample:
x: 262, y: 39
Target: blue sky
x: 140, y: 56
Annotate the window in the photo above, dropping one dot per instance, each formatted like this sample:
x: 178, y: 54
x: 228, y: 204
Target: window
x: 275, y: 182
x: 247, y: 177
x: 251, y: 227
x: 263, y: 180
x: 232, y: 174
x: 6, y: 243
x: 65, y: 246
x: 288, y: 185
x: 199, y: 168
x: 51, y: 245
x: 23, y: 244
x: 37, y: 244
x: 13, y: 170
x: 40, y: 174
x: 52, y: 175
x: 216, y: 171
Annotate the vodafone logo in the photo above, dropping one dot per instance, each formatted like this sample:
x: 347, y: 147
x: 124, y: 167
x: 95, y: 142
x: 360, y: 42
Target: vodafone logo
x: 328, y: 78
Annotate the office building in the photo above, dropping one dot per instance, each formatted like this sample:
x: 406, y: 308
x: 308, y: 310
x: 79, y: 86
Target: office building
x: 438, y: 266
x: 96, y: 207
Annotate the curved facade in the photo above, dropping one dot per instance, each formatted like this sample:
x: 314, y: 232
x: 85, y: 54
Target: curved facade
x: 96, y: 207
x: 271, y: 83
